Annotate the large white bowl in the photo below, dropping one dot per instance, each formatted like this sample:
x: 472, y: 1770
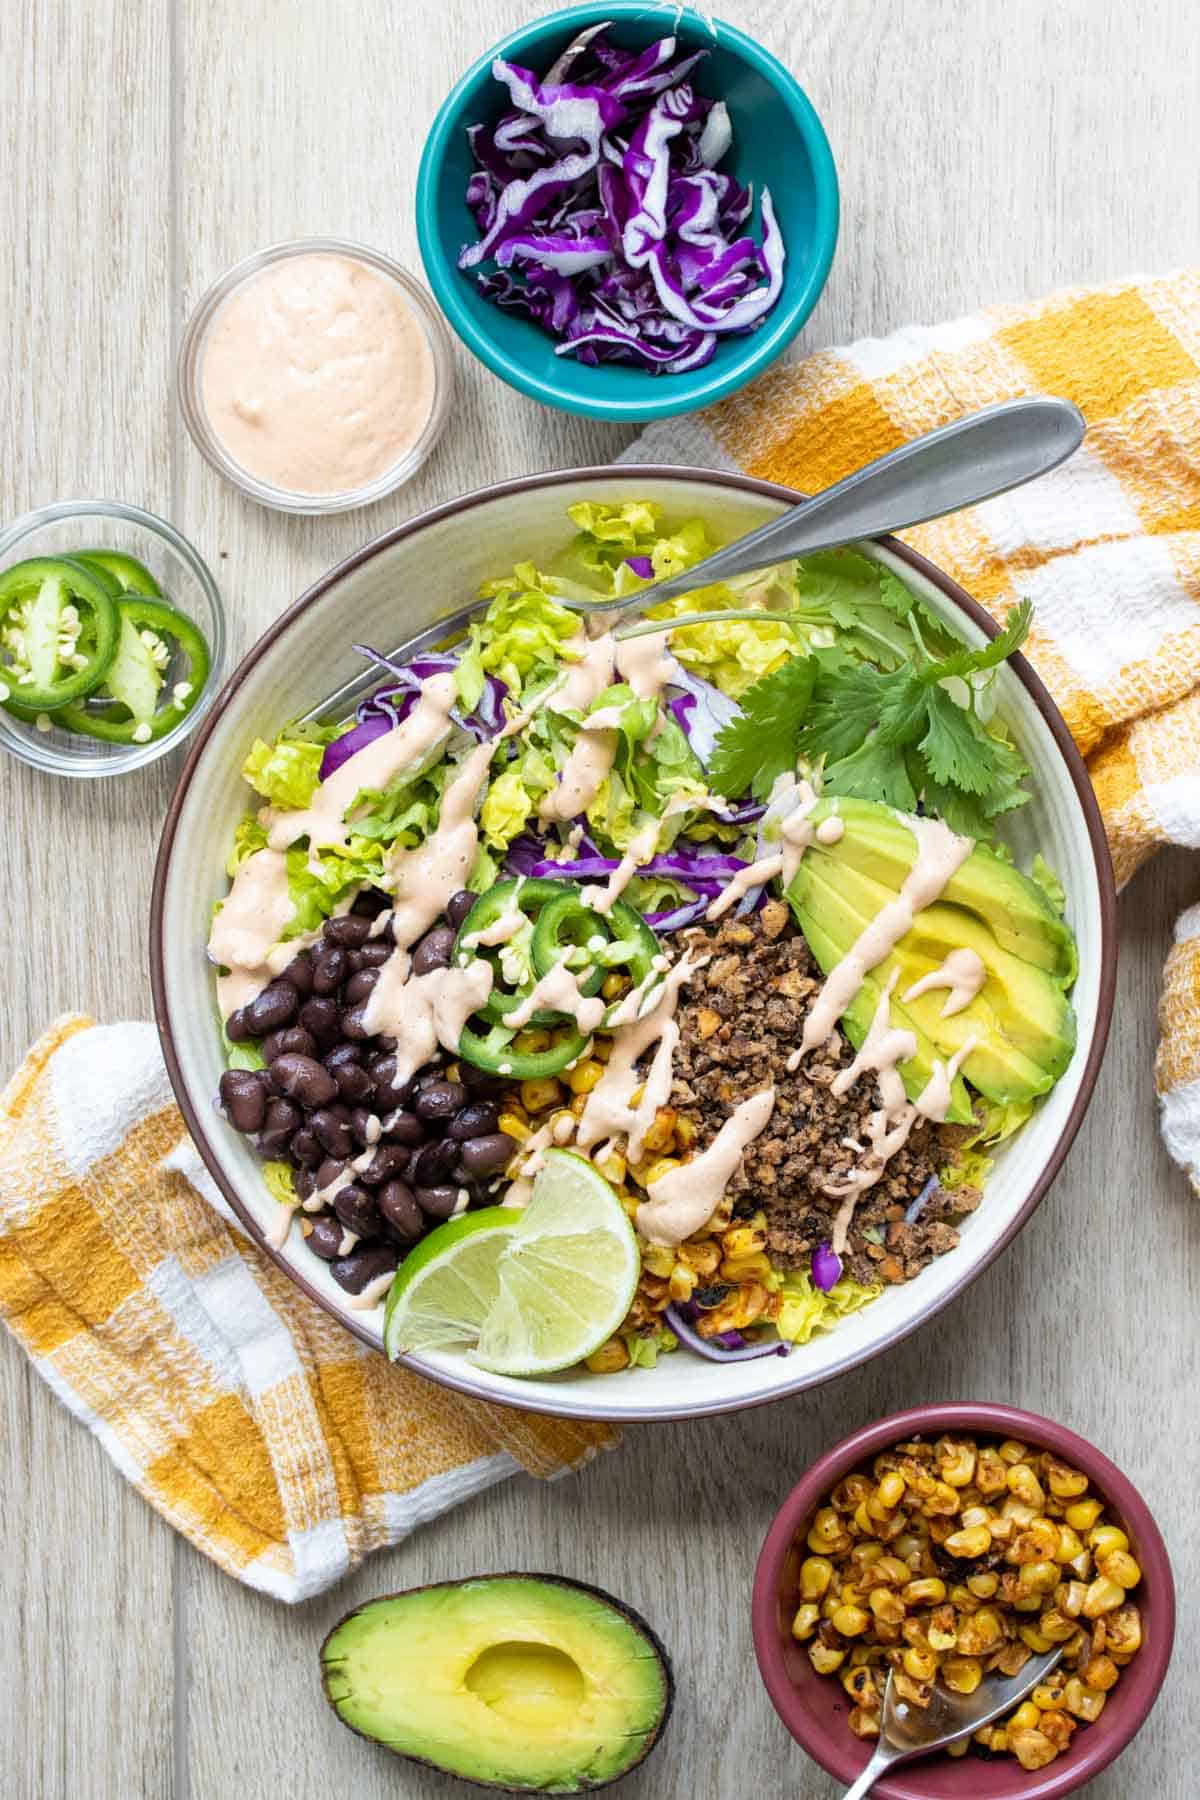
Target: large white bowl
x: 390, y: 590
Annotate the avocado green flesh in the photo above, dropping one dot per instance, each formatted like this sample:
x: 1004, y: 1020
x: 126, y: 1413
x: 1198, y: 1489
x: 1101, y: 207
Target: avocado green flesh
x: 878, y: 844
x: 515, y: 1681
x: 1022, y: 1022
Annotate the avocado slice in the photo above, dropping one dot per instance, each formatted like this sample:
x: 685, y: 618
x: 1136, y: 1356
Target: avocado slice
x: 530, y: 1683
x: 1021, y: 1019
x: 878, y: 843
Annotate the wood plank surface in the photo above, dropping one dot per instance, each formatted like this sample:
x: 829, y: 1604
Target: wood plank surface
x: 985, y: 153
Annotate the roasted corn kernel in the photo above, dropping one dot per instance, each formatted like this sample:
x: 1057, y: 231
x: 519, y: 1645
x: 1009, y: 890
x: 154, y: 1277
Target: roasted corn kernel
x: 816, y: 1573
x: 1053, y: 1562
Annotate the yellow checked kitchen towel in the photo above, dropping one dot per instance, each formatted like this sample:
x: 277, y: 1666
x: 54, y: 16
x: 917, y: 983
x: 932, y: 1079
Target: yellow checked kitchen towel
x: 275, y: 1441
x: 1107, y: 547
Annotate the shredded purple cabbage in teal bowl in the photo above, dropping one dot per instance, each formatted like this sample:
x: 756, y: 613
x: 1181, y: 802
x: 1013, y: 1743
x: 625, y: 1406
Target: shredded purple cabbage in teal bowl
x: 621, y: 193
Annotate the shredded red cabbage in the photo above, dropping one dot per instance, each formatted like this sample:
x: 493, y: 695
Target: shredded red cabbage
x: 826, y: 1267
x: 726, y: 1346
x: 600, y: 188
x: 700, y: 710
x: 389, y: 705
x: 922, y: 1200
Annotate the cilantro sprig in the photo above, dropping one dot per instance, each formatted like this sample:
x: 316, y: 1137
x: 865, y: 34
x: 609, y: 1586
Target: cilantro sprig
x: 895, y: 732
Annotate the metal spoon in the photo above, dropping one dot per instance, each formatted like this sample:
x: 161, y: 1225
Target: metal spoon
x: 958, y: 465
x: 984, y: 454
x: 907, y: 1731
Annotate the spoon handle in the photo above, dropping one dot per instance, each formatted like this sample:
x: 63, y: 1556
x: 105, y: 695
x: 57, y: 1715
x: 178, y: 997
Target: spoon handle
x: 880, y: 1762
x: 958, y: 465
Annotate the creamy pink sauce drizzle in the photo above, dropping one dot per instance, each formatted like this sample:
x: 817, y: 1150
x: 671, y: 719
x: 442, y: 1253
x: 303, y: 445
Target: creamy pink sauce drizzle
x: 647, y: 668
x: 883, y: 1049
x: 641, y: 848
x: 316, y: 374
x: 277, y: 1231
x: 558, y: 989
x: 376, y: 765
x: 940, y: 852
x: 684, y: 1200
x: 755, y: 874
x: 504, y: 927
x: 253, y: 917
x: 424, y: 1011
x: 372, y: 1294
x: 963, y: 972
x: 610, y: 1110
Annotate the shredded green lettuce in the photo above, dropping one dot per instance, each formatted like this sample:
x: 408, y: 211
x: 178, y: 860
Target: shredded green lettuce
x: 280, y: 1178
x: 804, y: 1309
x: 644, y: 1352
x: 249, y: 837
x: 1043, y: 875
x: 284, y: 773
x: 521, y: 631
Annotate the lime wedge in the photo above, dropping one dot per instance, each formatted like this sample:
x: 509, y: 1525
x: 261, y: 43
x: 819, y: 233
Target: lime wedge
x: 532, y: 1291
x: 445, y: 1288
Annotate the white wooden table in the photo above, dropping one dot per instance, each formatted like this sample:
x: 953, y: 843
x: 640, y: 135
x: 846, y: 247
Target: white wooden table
x: 985, y: 153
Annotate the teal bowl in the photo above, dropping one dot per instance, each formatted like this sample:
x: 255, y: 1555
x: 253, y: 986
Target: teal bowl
x: 778, y: 141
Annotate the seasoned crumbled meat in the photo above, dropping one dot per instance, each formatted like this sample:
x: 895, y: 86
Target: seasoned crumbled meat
x: 740, y: 1017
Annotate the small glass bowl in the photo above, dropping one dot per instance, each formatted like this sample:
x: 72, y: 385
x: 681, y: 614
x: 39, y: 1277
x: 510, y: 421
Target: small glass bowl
x: 186, y: 582
x: 191, y: 358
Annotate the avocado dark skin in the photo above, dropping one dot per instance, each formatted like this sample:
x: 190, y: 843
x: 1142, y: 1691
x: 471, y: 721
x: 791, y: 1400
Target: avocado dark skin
x: 632, y: 1619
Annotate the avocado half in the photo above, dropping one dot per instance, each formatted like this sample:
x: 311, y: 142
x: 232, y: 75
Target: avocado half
x: 1021, y: 1023
x: 529, y: 1683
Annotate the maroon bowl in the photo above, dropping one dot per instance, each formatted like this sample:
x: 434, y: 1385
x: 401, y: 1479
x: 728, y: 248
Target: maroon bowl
x: 814, y: 1708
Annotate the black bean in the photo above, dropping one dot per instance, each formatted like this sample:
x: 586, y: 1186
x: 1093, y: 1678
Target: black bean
x: 404, y: 1128
x: 436, y: 1202
x: 330, y: 1169
x: 331, y: 1125
x: 370, y: 903
x: 281, y: 1122
x: 353, y: 1022
x: 487, y: 1155
x: 275, y: 1006
x: 305, y: 1148
x: 459, y: 905
x: 350, y: 930
x: 306, y: 1181
x: 388, y: 1161
x: 293, y: 1040
x: 358, y: 1212
x: 320, y: 1018
x: 479, y: 1119
x: 389, y: 1092
x: 373, y: 955
x: 438, y: 1103
x: 360, y: 1124
x: 427, y: 1077
x: 329, y: 969
x: 299, y: 973
x: 434, y: 1164
x: 303, y: 1078
x: 403, y: 1217
x: 345, y: 1064
x: 236, y: 1028
x: 359, y: 986
x: 486, y: 1086
x: 244, y: 1097
x: 433, y: 951
x: 325, y: 1238
x: 361, y: 1267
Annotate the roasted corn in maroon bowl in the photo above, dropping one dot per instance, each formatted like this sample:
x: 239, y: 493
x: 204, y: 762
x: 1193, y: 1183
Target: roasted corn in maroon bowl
x: 944, y: 1543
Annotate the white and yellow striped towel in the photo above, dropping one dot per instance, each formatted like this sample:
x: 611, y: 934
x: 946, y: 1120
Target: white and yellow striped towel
x: 1107, y: 547
x: 275, y: 1441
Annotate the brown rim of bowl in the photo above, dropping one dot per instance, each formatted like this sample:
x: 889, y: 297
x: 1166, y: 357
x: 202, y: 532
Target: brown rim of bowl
x: 1143, y: 1680
x: 748, y: 484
